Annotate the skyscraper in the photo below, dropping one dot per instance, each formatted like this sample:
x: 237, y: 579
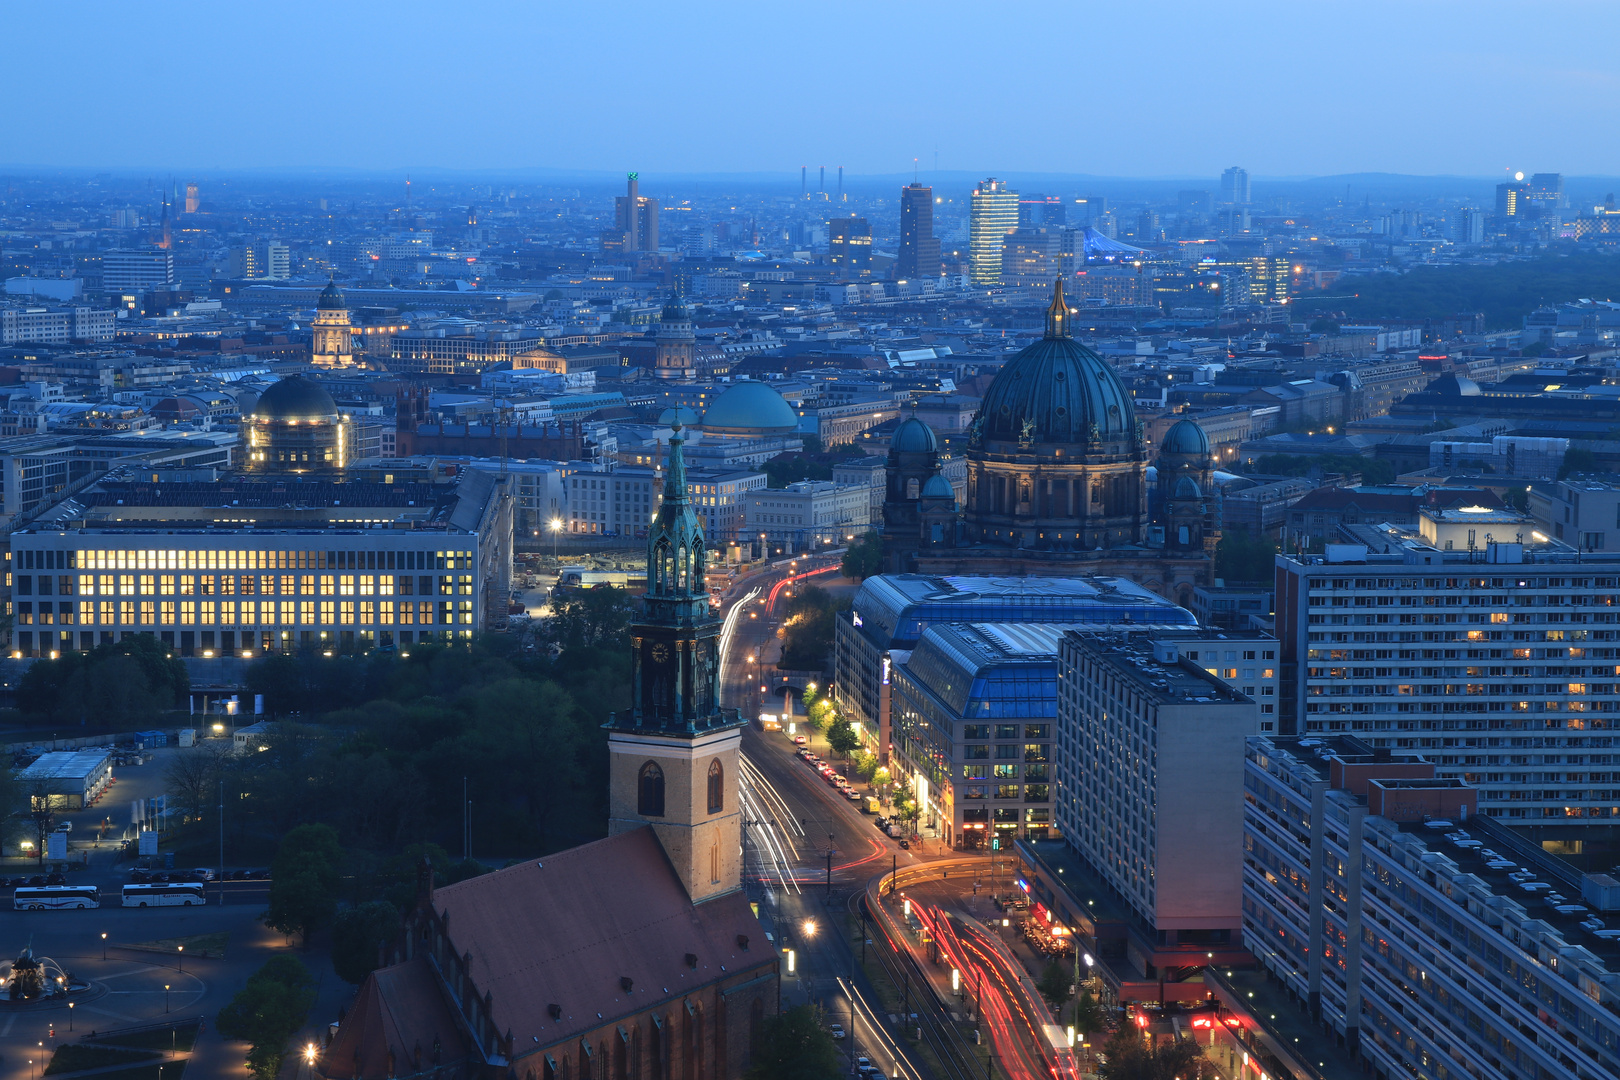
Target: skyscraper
x: 192, y: 201
x: 1547, y: 191
x: 1235, y: 186
x: 993, y: 214
x: 1513, y: 197
x: 1468, y: 225
x: 919, y: 249
x: 635, y: 218
x: 849, y: 245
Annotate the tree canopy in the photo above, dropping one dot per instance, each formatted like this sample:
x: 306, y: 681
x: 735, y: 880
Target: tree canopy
x: 109, y: 686
x: 268, y: 1011
x: 795, y: 1045
x: 808, y: 624
x: 864, y: 557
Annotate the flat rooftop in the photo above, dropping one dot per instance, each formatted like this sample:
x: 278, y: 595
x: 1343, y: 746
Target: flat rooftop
x: 1173, y: 682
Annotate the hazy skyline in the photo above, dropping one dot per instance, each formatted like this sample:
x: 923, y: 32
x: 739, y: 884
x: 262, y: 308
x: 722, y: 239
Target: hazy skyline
x: 1141, y: 90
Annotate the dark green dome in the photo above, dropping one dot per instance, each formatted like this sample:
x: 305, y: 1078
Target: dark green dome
x: 750, y: 408
x: 295, y: 398
x: 675, y: 311
x: 331, y: 299
x: 938, y: 488
x: 914, y: 437
x: 1056, y: 391
x: 1185, y: 437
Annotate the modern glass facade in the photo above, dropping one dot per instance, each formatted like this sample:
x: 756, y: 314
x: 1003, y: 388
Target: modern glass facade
x: 993, y: 214
x: 238, y: 595
x: 891, y: 612
x: 974, y: 708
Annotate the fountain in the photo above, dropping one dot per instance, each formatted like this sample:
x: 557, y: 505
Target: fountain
x: 37, y: 979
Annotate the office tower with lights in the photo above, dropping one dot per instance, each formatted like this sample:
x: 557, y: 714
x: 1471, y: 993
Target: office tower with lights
x: 635, y: 218
x: 192, y: 200
x: 1513, y: 198
x: 148, y: 268
x: 849, y: 245
x: 919, y: 248
x: 993, y: 214
x: 1235, y: 186
x: 1547, y: 191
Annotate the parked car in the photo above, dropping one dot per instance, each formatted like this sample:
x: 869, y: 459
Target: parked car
x: 837, y: 1030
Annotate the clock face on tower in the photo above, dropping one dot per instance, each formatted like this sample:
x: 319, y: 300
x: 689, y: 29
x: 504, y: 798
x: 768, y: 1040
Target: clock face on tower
x: 660, y: 653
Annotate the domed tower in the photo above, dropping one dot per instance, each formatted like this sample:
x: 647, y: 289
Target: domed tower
x: 1056, y: 458
x: 675, y: 355
x: 912, y: 466
x: 295, y: 427
x: 1188, y: 499
x: 332, y: 342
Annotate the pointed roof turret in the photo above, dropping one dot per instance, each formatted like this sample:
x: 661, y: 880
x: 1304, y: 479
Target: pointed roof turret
x: 1057, y: 313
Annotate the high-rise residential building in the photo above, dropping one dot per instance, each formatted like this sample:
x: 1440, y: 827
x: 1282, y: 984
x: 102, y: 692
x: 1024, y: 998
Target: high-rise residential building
x: 919, y: 248
x: 192, y: 201
x: 635, y: 219
x: 992, y: 215
x: 1149, y: 771
x: 1474, y: 638
x: 147, y: 268
x: 849, y: 245
x: 269, y: 261
x: 1468, y: 225
x: 1235, y: 186
x: 1512, y: 198
x: 1429, y: 939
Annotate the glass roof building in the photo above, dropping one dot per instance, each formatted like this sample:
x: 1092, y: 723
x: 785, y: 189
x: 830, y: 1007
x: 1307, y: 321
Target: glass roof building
x: 892, y: 611
x: 973, y: 713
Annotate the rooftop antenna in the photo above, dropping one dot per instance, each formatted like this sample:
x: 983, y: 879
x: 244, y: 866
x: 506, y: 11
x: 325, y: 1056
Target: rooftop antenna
x: 915, y: 179
x: 840, y: 183
x: 821, y: 181
x: 804, y: 181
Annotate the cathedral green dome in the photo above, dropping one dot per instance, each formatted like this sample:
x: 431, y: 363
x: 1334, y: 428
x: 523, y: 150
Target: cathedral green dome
x: 750, y: 408
x: 914, y: 437
x: 331, y: 299
x: 1185, y: 437
x: 1056, y: 391
x: 938, y: 488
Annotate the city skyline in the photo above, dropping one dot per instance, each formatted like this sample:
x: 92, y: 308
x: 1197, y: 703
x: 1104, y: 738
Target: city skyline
x: 1138, y: 89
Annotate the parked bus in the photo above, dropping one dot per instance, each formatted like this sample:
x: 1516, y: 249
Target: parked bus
x: 172, y: 894
x: 56, y: 896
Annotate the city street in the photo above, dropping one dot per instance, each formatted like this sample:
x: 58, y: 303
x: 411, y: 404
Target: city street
x: 813, y: 857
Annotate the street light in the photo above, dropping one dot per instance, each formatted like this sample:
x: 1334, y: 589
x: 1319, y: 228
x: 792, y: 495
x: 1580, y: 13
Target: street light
x: 556, y: 527
x: 165, y: 997
x: 809, y: 928
x: 70, y: 1015
x: 104, y: 946
x: 181, y: 951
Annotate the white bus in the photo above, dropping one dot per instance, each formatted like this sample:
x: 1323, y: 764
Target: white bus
x: 172, y: 894
x: 56, y: 896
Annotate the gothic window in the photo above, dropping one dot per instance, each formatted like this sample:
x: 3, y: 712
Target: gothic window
x: 660, y: 568
x: 717, y: 786
x: 650, y: 791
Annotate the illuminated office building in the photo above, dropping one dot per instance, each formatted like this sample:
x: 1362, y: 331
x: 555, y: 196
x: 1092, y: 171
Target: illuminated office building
x: 247, y: 565
x: 635, y: 219
x: 992, y: 215
x: 849, y: 245
x: 1235, y: 186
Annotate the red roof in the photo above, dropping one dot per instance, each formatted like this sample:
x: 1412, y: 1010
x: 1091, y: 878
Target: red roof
x: 398, y: 1018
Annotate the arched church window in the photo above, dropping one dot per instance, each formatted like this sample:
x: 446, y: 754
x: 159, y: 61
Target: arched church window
x: 913, y: 489
x: 717, y: 786
x: 650, y: 791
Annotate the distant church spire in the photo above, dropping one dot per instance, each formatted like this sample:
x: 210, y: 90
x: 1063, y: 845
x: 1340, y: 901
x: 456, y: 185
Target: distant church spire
x: 1057, y: 313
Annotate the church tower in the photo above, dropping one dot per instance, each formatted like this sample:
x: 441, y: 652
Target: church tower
x: 675, y: 352
x: 332, y: 338
x: 674, y: 755
x: 1188, y: 497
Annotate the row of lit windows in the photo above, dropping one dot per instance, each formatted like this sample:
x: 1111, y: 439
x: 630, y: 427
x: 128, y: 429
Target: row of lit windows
x: 214, y: 559
x: 246, y: 585
x: 247, y: 612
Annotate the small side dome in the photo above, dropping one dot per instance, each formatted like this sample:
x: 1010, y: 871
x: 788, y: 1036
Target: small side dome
x: 1185, y: 437
x: 938, y: 488
x: 914, y: 437
x: 331, y: 299
x: 1187, y: 488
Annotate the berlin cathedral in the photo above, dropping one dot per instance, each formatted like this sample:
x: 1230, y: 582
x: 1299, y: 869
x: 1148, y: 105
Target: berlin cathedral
x: 1059, y: 478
